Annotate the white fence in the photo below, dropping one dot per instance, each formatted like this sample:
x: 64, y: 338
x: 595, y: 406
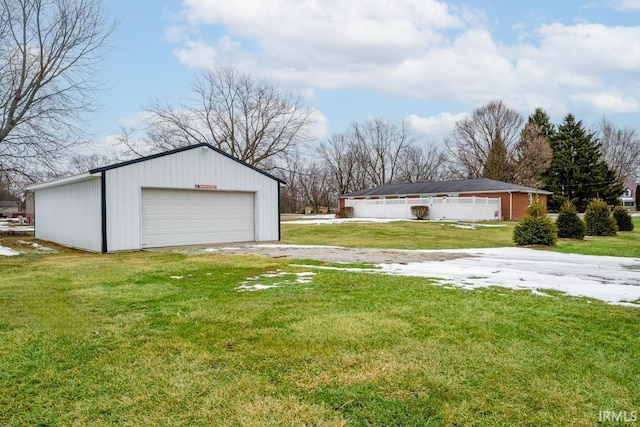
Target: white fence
x: 454, y: 208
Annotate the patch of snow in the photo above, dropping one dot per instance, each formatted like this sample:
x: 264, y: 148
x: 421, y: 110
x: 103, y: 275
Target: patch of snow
x: 37, y: 246
x: 301, y: 278
x: 333, y: 220
x: 472, y: 225
x: 4, y: 251
x: 614, y: 280
x: 297, y: 246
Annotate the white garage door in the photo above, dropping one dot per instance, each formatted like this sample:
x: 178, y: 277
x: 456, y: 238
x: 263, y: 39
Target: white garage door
x: 191, y: 217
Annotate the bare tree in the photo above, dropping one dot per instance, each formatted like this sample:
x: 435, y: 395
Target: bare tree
x: 472, y: 139
x: 620, y: 149
x: 378, y: 152
x: 341, y: 156
x: 248, y: 118
x: 316, y: 186
x: 533, y: 156
x: 49, y: 51
x: 381, y: 144
x: 291, y: 195
x: 420, y: 164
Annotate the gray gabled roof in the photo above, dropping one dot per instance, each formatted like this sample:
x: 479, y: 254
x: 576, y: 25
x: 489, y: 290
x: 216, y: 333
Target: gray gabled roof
x: 461, y: 186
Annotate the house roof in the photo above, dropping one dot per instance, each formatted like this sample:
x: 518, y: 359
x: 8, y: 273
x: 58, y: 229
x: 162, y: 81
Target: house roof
x: 92, y: 174
x: 465, y: 186
x: 632, y: 187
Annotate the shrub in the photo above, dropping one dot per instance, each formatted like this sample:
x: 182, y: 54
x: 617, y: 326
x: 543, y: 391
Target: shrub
x: 598, y: 219
x: 346, y: 212
x: 556, y: 202
x: 622, y: 218
x: 536, y: 228
x: 569, y: 223
x: 420, y: 211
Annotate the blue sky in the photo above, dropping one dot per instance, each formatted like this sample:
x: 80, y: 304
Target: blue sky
x: 426, y: 61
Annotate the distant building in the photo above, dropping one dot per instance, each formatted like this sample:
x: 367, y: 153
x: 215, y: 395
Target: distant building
x: 8, y: 208
x: 465, y: 199
x: 629, y: 195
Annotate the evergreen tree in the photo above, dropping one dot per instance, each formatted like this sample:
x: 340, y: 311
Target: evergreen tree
x: 498, y: 165
x: 598, y: 219
x: 569, y: 223
x: 536, y: 228
x: 623, y: 219
x: 577, y: 171
x: 542, y: 120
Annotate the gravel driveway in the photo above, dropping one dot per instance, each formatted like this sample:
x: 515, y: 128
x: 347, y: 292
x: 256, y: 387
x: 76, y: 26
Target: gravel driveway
x: 336, y: 253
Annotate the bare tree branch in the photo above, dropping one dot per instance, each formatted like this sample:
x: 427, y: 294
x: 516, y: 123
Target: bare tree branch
x: 248, y: 118
x: 620, y: 149
x: 470, y: 143
x: 49, y: 50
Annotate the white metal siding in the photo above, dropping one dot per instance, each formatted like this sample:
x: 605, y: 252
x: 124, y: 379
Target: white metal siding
x: 70, y: 214
x: 184, y: 170
x: 188, y: 217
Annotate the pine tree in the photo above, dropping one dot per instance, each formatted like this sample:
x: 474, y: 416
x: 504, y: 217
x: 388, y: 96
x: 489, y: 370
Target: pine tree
x: 498, y: 165
x: 542, y: 120
x: 569, y: 223
x: 577, y: 171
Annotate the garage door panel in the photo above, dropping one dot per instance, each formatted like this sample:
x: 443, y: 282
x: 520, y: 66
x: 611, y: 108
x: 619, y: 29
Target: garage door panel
x: 184, y: 217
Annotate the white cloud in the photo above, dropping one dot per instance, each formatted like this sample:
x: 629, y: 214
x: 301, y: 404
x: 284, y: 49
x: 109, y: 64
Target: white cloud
x: 197, y: 54
x: 320, y: 127
x: 626, y: 5
x: 435, y: 127
x: 419, y: 48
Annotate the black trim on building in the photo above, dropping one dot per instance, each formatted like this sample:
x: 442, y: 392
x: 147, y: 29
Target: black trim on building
x: 279, y: 222
x: 103, y: 201
x: 178, y: 150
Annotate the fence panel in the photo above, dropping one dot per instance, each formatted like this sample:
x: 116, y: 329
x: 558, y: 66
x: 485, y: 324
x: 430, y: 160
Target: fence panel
x: 454, y: 208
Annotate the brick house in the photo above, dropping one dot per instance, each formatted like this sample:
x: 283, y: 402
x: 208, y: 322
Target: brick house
x: 508, y: 201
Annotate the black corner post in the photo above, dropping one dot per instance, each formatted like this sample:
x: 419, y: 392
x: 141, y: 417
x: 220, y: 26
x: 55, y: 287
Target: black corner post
x: 103, y: 197
x: 279, y: 226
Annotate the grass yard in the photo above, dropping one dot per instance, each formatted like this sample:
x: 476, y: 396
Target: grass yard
x: 166, y: 339
x: 448, y: 235
x: 400, y: 235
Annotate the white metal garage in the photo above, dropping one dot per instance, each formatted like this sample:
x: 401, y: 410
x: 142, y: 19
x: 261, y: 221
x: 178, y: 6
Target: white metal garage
x: 186, y: 217
x: 192, y: 195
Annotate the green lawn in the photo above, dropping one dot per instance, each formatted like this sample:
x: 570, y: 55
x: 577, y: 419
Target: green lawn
x: 165, y: 339
x: 448, y: 235
x: 401, y: 235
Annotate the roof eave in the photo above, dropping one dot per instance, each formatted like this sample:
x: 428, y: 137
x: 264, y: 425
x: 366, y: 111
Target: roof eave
x: 63, y: 181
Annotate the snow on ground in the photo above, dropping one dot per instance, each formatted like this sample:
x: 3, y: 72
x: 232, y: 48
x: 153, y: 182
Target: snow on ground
x: 331, y: 219
x: 266, y: 281
x: 8, y: 251
x: 14, y: 224
x: 615, y: 280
